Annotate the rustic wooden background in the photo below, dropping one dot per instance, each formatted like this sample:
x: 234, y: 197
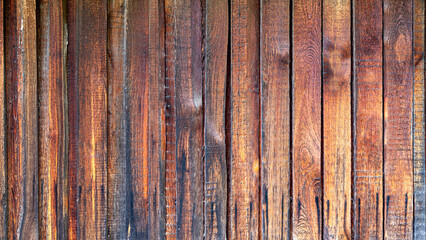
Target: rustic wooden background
x: 215, y: 119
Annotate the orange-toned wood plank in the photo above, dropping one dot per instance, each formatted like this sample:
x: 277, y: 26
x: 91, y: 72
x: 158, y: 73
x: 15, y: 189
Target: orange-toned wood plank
x: 419, y: 121
x: 215, y: 171
x: 275, y: 121
x: 52, y: 132
x: 368, y: 117
x: 244, y: 159
x: 398, y: 146
x: 88, y: 118
x: 118, y: 224
x: 3, y: 172
x: 73, y: 120
x: 136, y: 120
x: 157, y: 120
x: 307, y: 120
x: 337, y: 119
x: 170, y: 178
x: 21, y: 107
x: 189, y: 120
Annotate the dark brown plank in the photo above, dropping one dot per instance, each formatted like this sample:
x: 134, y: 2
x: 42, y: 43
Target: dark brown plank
x: 157, y: 121
x: 21, y: 108
x: 275, y: 121
x: 368, y: 115
x: 307, y: 119
x: 419, y: 121
x: 215, y: 171
x: 398, y: 147
x: 52, y: 132
x: 87, y: 75
x: 170, y: 179
x: 3, y: 163
x: 189, y: 120
x: 118, y: 121
x: 337, y: 119
x: 244, y: 159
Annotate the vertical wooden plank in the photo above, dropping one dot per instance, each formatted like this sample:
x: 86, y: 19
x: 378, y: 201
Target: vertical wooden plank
x: 73, y: 99
x: 398, y: 80
x: 118, y: 121
x: 136, y: 120
x: 215, y: 171
x: 368, y: 141
x: 52, y: 148
x: 73, y: 117
x: 244, y: 205
x: 170, y: 179
x: 88, y: 130
x: 275, y: 120
x: 21, y: 95
x: 337, y: 119
x: 189, y: 120
x: 419, y: 121
x: 157, y: 133
x: 3, y: 164
x: 307, y: 119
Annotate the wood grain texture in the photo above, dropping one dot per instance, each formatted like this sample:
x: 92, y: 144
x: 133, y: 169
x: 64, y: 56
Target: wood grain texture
x: 52, y: 132
x: 244, y: 159
x: 337, y: 172
x: 275, y: 120
x: 118, y: 120
x: 419, y: 121
x: 3, y: 163
x: 368, y: 120
x: 87, y: 90
x: 215, y: 170
x: 398, y: 147
x: 189, y: 120
x: 21, y: 108
x: 307, y: 202
x: 170, y: 179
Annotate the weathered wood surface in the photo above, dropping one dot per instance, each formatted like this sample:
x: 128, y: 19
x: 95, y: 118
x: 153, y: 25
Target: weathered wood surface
x: 21, y: 114
x: 368, y: 121
x: 87, y: 94
x: 306, y: 128
x: 275, y: 120
x: 398, y: 99
x: 244, y: 114
x: 3, y: 162
x: 52, y: 121
x: 192, y: 119
x: 419, y: 121
x: 215, y: 84
x: 337, y: 119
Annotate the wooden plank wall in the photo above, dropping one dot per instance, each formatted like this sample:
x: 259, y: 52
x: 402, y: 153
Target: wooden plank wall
x: 202, y: 119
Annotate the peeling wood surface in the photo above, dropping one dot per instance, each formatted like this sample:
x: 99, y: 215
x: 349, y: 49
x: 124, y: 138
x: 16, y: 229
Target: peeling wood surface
x: 201, y: 119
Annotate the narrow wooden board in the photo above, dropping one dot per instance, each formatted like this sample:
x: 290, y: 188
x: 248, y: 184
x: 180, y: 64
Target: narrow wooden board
x: 398, y: 147
x: 307, y: 201
x: 244, y: 159
x: 170, y: 179
x: 157, y: 121
x: 118, y: 120
x: 52, y: 121
x: 88, y: 128
x: 275, y: 120
x: 3, y: 163
x: 21, y: 109
x: 368, y: 120
x: 419, y: 121
x: 215, y: 170
x: 337, y: 172
x: 189, y: 120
